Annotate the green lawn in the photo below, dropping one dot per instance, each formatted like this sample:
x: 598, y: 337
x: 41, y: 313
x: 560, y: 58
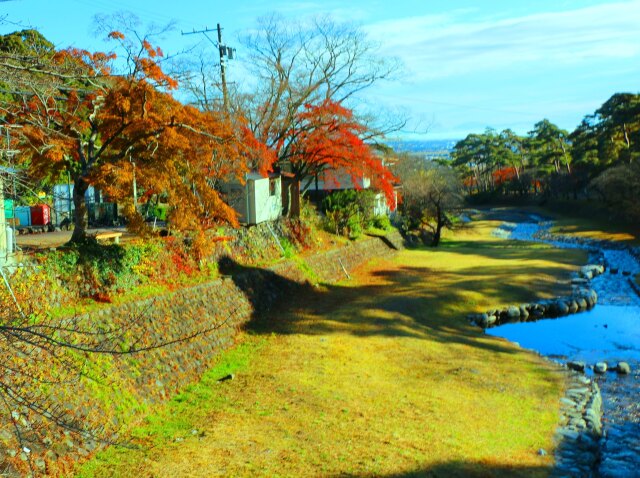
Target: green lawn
x: 378, y: 376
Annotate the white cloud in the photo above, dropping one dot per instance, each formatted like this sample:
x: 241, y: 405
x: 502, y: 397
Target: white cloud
x: 306, y: 9
x: 436, y: 46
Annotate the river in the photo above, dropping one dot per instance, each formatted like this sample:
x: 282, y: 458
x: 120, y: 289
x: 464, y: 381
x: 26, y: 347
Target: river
x: 608, y: 333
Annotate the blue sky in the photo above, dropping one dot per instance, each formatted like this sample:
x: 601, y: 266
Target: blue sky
x: 467, y: 65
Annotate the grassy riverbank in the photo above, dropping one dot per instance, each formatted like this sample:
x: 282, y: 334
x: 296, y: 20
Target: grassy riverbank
x: 378, y: 376
x: 589, y: 219
x: 596, y: 229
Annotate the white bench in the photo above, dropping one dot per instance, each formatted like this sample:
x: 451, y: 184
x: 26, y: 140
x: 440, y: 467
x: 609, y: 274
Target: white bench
x: 106, y: 236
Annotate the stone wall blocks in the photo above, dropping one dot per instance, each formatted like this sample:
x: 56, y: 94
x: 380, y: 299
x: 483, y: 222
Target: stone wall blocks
x: 229, y: 301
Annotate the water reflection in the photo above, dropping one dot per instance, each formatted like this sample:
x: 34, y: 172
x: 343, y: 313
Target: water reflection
x: 609, y: 334
x: 605, y: 333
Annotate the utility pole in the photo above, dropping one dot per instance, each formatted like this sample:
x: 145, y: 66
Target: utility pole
x: 224, y: 52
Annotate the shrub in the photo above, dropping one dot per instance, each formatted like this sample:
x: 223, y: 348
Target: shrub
x: 298, y: 233
x: 382, y: 222
x: 349, y: 212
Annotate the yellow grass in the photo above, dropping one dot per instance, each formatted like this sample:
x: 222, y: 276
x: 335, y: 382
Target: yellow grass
x: 590, y: 222
x: 379, y: 376
x: 595, y: 230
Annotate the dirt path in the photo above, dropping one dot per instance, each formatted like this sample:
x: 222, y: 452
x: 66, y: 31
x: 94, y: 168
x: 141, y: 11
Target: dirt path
x: 47, y: 240
x: 380, y: 376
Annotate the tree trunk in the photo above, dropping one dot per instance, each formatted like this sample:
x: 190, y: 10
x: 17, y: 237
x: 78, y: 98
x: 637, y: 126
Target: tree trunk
x: 627, y: 140
x: 440, y: 220
x: 288, y: 205
x: 81, y: 220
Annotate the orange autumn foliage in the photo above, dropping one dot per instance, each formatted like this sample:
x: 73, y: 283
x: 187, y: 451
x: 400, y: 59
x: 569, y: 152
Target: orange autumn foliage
x: 96, y: 125
x: 504, y: 175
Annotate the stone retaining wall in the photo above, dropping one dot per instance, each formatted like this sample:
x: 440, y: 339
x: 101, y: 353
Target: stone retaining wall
x: 227, y: 304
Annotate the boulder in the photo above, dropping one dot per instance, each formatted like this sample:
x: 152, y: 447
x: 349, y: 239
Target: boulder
x: 600, y: 367
x: 591, y: 297
x: 623, y: 368
x: 577, y: 366
x: 582, y: 303
x: 482, y: 320
x: 537, y: 314
x: 562, y: 307
x: 592, y: 270
x: 486, y: 320
x: 551, y: 310
x: 513, y: 312
x: 573, y: 307
x: 524, y: 313
x: 587, y: 274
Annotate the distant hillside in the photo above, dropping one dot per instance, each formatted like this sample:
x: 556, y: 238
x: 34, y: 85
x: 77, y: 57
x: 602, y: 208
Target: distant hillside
x: 431, y: 149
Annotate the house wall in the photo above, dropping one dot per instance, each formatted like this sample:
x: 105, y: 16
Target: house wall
x: 255, y: 201
x: 62, y: 202
x: 336, y: 180
x: 236, y: 197
x: 265, y: 199
x: 381, y: 207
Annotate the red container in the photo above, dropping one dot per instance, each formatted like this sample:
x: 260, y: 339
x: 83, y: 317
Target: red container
x: 40, y: 215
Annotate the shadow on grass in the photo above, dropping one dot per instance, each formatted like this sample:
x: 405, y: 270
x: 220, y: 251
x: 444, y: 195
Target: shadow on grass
x: 411, y: 301
x: 461, y: 469
x: 400, y: 303
x: 509, y: 250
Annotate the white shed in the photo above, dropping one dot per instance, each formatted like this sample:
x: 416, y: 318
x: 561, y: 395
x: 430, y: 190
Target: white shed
x: 381, y: 207
x: 258, y: 200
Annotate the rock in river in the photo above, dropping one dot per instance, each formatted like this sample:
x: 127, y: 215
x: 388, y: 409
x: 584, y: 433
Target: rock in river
x: 600, y: 367
x: 577, y: 366
x: 623, y: 368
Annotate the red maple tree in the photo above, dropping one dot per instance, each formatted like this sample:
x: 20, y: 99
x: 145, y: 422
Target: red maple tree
x: 327, y: 140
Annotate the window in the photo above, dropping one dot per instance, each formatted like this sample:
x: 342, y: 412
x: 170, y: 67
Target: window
x: 272, y: 187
